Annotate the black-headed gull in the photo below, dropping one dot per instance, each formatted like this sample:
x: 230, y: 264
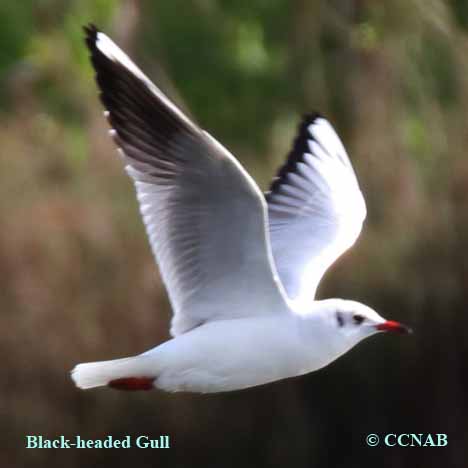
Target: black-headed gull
x: 241, y: 268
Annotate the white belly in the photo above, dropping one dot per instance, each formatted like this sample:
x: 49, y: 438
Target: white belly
x: 233, y: 354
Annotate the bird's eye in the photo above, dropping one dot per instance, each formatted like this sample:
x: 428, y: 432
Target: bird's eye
x: 340, y: 319
x: 358, y: 319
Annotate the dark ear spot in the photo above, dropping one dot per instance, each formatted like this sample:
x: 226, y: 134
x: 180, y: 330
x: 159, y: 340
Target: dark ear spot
x: 340, y: 319
x: 358, y: 319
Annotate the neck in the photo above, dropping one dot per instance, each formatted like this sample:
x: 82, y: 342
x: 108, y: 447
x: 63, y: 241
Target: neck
x: 322, y: 341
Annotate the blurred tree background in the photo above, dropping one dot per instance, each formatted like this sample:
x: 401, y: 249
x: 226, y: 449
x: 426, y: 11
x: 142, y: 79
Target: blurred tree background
x: 78, y: 281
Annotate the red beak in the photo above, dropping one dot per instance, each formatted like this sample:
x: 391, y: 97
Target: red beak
x: 395, y: 327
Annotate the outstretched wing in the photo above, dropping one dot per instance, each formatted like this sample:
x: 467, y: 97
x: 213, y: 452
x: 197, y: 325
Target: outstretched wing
x: 316, y: 208
x: 204, y: 215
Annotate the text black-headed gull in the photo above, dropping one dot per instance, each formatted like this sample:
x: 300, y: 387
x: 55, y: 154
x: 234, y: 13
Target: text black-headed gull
x: 240, y: 318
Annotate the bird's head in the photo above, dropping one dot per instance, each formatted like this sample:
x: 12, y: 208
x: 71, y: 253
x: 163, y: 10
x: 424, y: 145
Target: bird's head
x: 334, y: 326
x: 356, y: 321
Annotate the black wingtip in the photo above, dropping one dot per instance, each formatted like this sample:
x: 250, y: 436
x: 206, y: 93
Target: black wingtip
x: 311, y: 117
x: 307, y: 119
x: 91, y: 32
x: 296, y: 154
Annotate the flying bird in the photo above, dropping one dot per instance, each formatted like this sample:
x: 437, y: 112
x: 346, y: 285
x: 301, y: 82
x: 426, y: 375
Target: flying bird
x: 241, y: 267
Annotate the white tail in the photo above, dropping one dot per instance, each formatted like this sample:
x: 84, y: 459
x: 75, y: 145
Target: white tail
x: 98, y: 374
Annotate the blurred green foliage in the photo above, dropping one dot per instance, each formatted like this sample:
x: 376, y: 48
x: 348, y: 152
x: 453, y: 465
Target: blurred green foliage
x: 78, y: 279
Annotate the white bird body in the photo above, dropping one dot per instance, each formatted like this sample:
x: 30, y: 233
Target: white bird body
x: 242, y: 353
x: 241, y: 268
x: 233, y: 354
